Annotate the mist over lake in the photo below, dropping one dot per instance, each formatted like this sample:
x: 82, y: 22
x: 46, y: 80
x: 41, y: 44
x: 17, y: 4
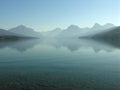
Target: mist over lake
x: 69, y: 64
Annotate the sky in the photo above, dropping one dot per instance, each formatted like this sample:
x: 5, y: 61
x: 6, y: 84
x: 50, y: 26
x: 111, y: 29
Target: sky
x: 44, y: 15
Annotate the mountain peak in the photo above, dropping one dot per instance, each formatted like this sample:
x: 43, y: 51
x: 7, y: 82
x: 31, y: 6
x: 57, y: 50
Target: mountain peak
x: 96, y: 25
x: 109, y: 25
x: 21, y: 26
x: 73, y: 27
x: 57, y: 29
x: 26, y: 31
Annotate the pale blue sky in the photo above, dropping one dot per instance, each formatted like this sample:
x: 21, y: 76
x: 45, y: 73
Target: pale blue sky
x: 45, y: 15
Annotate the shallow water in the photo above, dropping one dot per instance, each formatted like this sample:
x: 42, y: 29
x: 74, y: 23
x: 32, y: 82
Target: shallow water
x: 57, y: 64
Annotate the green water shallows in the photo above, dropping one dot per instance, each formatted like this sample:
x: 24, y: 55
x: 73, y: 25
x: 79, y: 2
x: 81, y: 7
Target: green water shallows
x: 59, y: 65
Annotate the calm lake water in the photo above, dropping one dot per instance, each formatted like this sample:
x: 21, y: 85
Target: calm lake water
x: 69, y: 64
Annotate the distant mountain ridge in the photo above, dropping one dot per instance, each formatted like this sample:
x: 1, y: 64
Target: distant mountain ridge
x: 110, y: 36
x: 52, y: 34
x: 23, y: 30
x: 73, y: 31
x: 6, y: 33
x: 113, y: 33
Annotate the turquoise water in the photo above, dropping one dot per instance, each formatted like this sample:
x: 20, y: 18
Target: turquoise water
x: 70, y: 64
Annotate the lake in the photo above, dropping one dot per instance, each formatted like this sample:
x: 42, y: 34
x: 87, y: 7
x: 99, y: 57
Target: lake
x: 59, y: 64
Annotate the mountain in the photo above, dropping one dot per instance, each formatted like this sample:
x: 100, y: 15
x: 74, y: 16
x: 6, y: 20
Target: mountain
x: 52, y: 34
x: 113, y: 33
x: 70, y: 32
x: 97, y: 26
x: 23, y: 30
x: 108, y: 25
x: 110, y: 36
x: 74, y: 31
x: 6, y: 33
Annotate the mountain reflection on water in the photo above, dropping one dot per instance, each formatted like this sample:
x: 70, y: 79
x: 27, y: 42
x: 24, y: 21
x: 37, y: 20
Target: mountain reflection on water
x: 59, y: 64
x: 70, y: 44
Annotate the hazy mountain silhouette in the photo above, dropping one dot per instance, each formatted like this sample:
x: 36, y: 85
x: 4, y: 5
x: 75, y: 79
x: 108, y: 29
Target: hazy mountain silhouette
x: 6, y: 33
x: 110, y: 36
x: 52, y: 34
x: 75, y: 31
x: 71, y: 31
x: 102, y: 27
x: 23, y: 30
x: 97, y: 28
x: 113, y: 33
x: 108, y: 25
